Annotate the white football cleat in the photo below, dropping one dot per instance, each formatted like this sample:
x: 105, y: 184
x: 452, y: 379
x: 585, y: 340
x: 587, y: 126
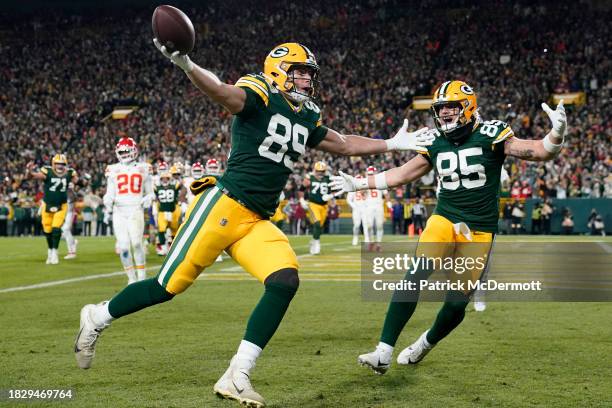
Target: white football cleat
x: 54, y: 257
x: 480, y: 306
x: 355, y: 240
x: 85, y: 343
x: 70, y: 255
x: 416, y: 351
x: 236, y: 385
x: 313, y: 247
x: 377, y: 360
x: 49, y: 257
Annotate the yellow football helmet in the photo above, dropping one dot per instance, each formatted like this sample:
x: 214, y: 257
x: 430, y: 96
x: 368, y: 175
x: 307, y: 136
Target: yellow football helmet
x: 176, y: 169
x: 320, y: 166
x: 164, y: 178
x: 455, y: 94
x: 59, y: 164
x: 280, y: 63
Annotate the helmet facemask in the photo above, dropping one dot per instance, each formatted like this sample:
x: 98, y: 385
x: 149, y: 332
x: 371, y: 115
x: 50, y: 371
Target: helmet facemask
x: 311, y: 92
x: 451, y: 121
x: 59, y: 168
x: 126, y: 154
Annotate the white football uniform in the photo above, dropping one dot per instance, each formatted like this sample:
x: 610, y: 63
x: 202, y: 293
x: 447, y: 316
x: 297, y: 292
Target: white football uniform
x: 375, y: 212
x: 129, y: 186
x: 187, y: 183
x: 357, y: 201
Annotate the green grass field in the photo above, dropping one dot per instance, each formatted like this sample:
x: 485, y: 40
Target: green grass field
x: 512, y: 355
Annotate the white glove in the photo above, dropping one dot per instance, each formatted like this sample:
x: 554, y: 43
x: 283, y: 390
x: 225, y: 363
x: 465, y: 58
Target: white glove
x: 558, y: 119
x: 345, y: 183
x: 303, y: 203
x: 404, y: 140
x: 327, y: 197
x: 181, y: 60
x: 184, y: 207
x: 107, y: 218
x: 146, y: 201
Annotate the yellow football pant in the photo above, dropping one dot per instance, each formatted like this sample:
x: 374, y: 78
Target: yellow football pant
x: 279, y: 215
x: 163, y: 223
x: 52, y: 220
x: 441, y: 238
x: 213, y: 223
x: 318, y: 212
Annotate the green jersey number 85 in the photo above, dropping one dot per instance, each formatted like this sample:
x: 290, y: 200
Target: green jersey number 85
x: 448, y: 162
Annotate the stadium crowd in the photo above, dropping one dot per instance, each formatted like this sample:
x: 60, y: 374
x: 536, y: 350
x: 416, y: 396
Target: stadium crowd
x: 62, y: 74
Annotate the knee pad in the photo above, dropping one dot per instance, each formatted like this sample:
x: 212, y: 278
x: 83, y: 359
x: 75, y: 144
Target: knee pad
x: 285, y: 278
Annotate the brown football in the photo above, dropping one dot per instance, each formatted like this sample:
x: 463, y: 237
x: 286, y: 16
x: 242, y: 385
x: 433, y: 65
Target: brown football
x: 173, y: 29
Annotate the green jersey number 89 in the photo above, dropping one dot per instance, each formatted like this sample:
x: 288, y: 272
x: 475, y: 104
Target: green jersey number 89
x: 282, y: 132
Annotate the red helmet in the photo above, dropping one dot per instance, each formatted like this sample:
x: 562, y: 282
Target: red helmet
x: 126, y: 150
x: 197, y: 170
x: 162, y: 167
x: 212, y: 166
x: 370, y: 170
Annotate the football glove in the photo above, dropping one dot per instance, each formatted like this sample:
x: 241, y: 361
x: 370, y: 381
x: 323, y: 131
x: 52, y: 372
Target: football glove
x: 345, y: 183
x: 558, y: 119
x: 108, y: 216
x: 147, y: 201
x: 178, y: 59
x: 417, y: 140
x: 327, y: 197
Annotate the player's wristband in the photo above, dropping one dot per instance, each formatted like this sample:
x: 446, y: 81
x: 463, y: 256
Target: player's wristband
x: 550, y: 146
x: 380, y: 181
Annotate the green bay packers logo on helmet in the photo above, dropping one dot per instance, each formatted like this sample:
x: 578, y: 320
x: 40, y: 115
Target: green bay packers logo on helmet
x: 280, y: 70
x: 455, y: 110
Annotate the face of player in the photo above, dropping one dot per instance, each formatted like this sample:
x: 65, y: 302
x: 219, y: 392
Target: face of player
x: 319, y: 174
x: 302, y: 79
x: 164, y: 181
x: 59, y: 168
x: 449, y: 115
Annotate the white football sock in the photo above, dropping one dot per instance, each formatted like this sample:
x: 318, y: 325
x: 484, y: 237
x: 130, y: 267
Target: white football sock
x: 101, y: 316
x: 246, y: 355
x: 69, y: 240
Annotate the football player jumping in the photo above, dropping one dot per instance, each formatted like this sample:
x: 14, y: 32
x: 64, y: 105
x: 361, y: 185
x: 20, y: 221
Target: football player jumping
x: 275, y: 119
x: 129, y: 190
x: 467, y: 155
x: 57, y: 179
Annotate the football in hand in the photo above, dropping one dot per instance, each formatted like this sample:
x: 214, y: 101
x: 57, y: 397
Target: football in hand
x: 173, y: 29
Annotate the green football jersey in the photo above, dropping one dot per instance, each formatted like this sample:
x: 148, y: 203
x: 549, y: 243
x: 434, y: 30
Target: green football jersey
x: 469, y: 175
x: 268, y: 138
x: 56, y: 187
x: 318, y: 188
x: 167, y: 196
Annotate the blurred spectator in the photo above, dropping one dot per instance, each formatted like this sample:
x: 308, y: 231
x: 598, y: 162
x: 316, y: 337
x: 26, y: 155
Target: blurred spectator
x: 507, y: 218
x: 5, y: 213
x: 517, y: 218
x: 536, y: 218
x: 546, y: 215
x: 567, y: 224
x: 333, y: 215
x: 397, y: 216
x: 419, y: 216
x: 408, y: 204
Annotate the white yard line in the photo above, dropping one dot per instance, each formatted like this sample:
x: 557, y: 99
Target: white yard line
x: 71, y: 280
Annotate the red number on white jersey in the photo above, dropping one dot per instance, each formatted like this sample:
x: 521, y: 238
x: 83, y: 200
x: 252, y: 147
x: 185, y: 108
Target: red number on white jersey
x: 129, y: 184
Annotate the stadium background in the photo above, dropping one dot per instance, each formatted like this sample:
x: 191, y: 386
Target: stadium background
x: 65, y: 69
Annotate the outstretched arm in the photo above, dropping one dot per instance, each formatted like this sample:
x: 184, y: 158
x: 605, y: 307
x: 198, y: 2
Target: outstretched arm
x: 414, y: 169
x: 544, y: 149
x: 352, y: 145
x: 34, y: 174
x: 230, y: 96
